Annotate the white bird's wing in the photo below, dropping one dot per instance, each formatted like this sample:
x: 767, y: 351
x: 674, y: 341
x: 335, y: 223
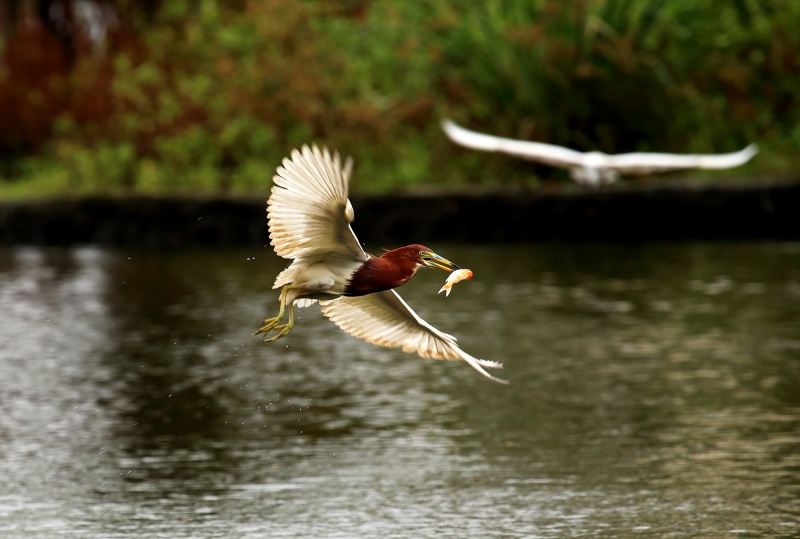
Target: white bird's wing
x: 626, y: 163
x: 645, y: 163
x: 549, y: 154
x: 309, y: 212
x: 386, y: 320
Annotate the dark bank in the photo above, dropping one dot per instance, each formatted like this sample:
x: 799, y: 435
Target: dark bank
x: 623, y: 214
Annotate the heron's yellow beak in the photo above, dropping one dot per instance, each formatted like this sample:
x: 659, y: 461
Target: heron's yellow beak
x: 432, y: 260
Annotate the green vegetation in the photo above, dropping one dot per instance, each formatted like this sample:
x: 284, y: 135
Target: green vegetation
x: 203, y: 96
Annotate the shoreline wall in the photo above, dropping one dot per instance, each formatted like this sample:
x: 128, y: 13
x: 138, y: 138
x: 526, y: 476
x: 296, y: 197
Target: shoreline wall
x: 620, y: 214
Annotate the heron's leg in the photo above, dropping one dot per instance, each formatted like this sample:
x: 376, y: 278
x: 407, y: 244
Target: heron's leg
x: 283, y: 329
x: 270, y: 323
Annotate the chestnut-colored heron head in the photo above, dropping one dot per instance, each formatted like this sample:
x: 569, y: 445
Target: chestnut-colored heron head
x: 421, y: 256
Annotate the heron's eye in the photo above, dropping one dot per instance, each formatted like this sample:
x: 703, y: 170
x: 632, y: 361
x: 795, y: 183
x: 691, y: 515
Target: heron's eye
x: 422, y: 253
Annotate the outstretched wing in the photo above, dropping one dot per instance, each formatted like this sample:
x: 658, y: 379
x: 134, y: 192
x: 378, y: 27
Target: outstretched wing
x: 627, y: 163
x: 549, y: 154
x: 386, y: 320
x: 309, y: 212
x: 645, y: 163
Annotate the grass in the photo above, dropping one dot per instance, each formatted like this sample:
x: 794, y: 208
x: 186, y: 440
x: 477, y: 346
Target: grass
x: 208, y: 96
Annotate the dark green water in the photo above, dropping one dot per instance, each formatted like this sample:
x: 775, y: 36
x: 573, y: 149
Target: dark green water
x: 655, y: 392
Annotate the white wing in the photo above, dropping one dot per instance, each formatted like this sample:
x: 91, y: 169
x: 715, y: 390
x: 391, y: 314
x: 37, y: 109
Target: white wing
x: 549, y: 154
x: 309, y: 212
x: 386, y: 320
x: 627, y: 163
x: 645, y: 163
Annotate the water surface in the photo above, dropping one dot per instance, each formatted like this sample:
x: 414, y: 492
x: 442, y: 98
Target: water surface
x: 655, y: 392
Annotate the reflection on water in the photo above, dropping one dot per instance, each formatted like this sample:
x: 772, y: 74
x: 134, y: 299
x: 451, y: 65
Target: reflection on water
x: 654, y: 393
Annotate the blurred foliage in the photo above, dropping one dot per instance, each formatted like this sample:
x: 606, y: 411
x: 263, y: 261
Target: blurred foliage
x: 209, y: 95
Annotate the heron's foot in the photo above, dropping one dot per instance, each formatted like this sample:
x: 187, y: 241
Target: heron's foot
x: 282, y: 330
x: 269, y: 325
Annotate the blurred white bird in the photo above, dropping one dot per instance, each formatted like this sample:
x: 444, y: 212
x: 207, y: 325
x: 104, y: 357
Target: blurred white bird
x: 594, y: 168
x: 309, y: 222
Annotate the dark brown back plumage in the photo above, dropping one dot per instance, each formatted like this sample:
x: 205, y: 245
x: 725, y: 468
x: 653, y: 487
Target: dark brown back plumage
x: 385, y: 272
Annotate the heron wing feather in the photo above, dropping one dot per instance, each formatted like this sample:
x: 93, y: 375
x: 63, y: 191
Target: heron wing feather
x: 386, y: 320
x: 309, y: 212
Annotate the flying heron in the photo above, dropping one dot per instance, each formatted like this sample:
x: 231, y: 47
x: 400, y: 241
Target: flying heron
x: 594, y: 168
x: 309, y: 222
